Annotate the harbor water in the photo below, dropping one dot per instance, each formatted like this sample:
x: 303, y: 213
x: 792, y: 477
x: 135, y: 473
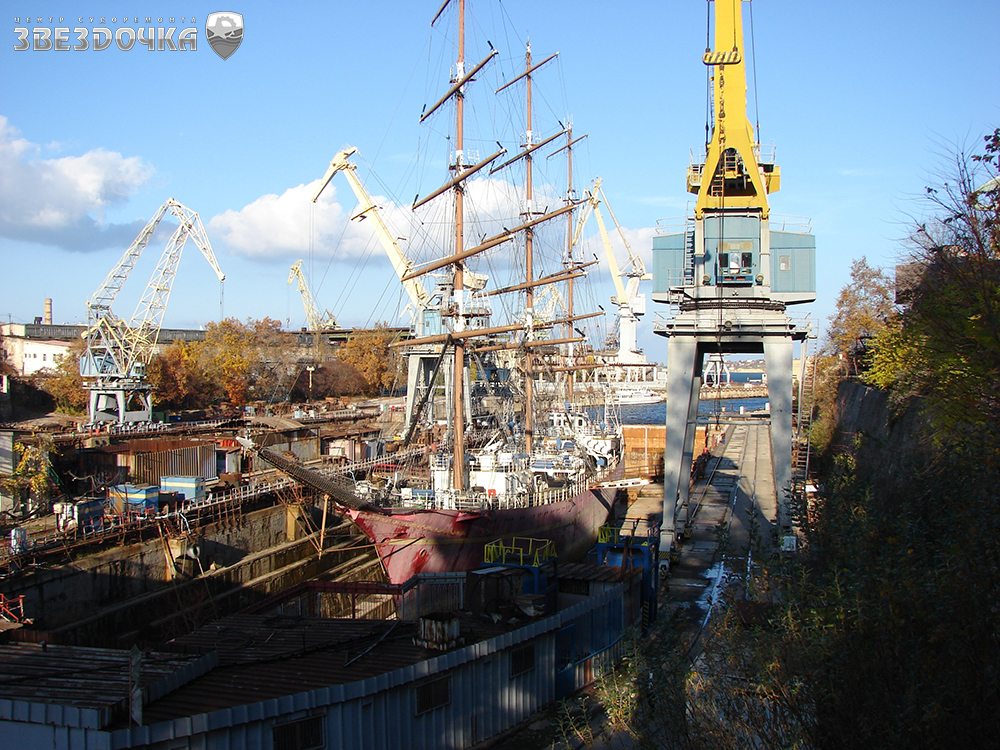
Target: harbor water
x: 657, y: 413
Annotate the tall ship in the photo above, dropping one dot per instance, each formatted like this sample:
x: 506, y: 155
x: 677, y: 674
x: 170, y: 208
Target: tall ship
x: 496, y: 445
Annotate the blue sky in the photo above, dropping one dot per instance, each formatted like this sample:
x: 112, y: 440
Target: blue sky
x: 862, y: 100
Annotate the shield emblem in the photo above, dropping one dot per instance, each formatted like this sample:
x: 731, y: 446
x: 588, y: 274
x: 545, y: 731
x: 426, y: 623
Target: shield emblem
x: 224, y: 32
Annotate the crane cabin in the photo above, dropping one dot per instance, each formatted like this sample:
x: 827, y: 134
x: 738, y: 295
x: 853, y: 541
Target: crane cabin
x: 735, y: 256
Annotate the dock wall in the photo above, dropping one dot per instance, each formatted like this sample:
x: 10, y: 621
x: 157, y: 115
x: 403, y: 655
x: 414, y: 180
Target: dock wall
x: 60, y: 596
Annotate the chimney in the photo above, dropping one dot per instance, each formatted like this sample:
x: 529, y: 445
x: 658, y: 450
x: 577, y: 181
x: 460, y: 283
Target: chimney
x: 48, y: 311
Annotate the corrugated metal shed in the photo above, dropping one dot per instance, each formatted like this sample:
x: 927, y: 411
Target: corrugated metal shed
x: 148, y: 460
x: 84, y: 687
x: 262, y: 658
x: 193, y: 461
x: 357, y: 684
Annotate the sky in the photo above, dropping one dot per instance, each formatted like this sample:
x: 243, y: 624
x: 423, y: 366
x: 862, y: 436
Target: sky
x: 863, y: 101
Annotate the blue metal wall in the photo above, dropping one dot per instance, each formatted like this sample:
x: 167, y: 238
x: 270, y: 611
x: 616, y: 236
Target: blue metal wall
x: 668, y: 262
x: 793, y: 264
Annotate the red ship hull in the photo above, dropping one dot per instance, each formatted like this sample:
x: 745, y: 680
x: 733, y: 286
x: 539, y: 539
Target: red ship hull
x: 449, y: 541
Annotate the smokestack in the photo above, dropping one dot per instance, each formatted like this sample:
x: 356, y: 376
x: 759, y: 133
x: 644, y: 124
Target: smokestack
x: 48, y: 311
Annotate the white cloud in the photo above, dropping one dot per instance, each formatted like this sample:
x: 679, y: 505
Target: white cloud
x: 279, y: 225
x: 62, y: 202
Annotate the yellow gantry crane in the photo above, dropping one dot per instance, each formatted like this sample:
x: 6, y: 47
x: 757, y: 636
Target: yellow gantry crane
x: 729, y: 274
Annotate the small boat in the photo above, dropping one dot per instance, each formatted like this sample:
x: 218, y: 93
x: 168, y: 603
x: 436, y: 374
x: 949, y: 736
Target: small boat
x: 635, y: 396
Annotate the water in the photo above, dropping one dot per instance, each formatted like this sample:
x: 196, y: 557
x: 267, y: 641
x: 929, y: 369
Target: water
x: 657, y: 413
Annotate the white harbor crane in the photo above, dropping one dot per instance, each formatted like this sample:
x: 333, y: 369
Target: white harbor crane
x: 114, y: 361
x: 422, y: 361
x: 631, y: 304
x: 316, y: 321
x: 368, y: 210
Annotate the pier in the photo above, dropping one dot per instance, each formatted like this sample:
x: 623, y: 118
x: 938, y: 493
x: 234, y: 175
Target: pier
x: 732, y: 391
x: 730, y: 518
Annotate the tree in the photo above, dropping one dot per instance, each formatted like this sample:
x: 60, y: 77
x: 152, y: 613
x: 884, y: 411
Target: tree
x: 178, y: 379
x: 249, y: 361
x: 863, y: 309
x: 371, y: 354
x: 329, y: 379
x: 945, y: 346
x: 6, y: 368
x: 67, y: 386
x: 34, y: 473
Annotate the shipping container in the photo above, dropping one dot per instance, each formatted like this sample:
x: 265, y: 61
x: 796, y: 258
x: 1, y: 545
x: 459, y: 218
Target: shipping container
x: 191, y: 489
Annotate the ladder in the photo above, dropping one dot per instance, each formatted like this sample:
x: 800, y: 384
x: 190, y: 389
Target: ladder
x: 689, y: 257
x: 800, y: 442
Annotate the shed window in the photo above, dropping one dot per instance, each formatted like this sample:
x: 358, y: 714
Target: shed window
x: 299, y: 735
x: 522, y: 660
x: 785, y: 263
x: 433, y: 694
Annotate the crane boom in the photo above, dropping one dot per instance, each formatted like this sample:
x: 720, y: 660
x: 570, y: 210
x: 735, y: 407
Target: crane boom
x: 733, y: 174
x: 631, y: 305
x: 148, y: 316
x: 635, y: 268
x: 102, y: 299
x: 367, y: 209
x: 314, y: 319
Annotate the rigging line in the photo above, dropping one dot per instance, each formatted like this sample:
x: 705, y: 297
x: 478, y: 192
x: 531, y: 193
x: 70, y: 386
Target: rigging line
x: 378, y: 302
x: 390, y: 282
x: 312, y: 244
x: 562, y: 87
x: 399, y: 104
x: 355, y: 279
x: 753, y: 53
x: 509, y: 28
x: 340, y: 240
x: 718, y: 274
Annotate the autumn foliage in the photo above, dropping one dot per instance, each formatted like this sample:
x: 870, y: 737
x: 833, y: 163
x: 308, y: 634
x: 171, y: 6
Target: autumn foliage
x: 372, y: 355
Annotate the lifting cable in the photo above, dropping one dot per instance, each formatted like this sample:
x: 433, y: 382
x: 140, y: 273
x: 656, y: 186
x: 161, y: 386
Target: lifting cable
x: 708, y: 78
x: 753, y: 54
x: 720, y: 168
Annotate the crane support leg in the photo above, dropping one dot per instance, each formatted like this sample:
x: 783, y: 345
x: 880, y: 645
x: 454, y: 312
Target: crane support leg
x: 682, y: 363
x: 778, y: 361
x: 687, y: 459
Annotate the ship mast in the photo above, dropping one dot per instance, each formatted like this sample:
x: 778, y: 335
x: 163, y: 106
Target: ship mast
x: 458, y: 388
x: 569, y: 263
x: 570, y: 372
x: 529, y: 395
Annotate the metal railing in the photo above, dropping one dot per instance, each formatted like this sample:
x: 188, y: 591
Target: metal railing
x: 525, y: 551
